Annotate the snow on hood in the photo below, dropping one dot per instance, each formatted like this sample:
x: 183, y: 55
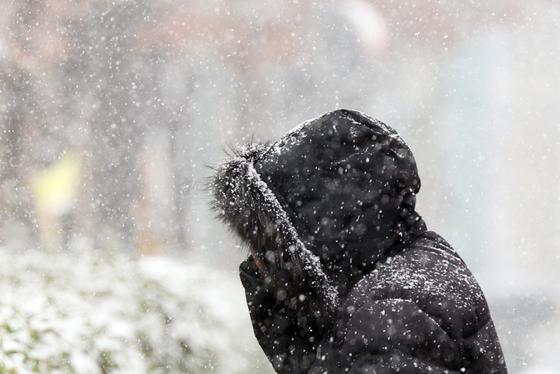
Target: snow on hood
x: 340, y: 187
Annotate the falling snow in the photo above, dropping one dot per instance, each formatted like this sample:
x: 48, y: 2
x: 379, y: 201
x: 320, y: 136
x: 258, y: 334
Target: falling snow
x: 116, y: 114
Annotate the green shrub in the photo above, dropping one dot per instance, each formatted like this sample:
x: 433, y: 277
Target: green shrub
x: 99, y: 313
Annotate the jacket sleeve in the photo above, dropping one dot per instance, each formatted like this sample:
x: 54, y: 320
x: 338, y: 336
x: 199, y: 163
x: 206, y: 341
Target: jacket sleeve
x: 279, y: 314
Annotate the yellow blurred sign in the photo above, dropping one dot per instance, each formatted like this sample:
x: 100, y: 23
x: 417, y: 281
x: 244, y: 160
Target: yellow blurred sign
x: 55, y: 189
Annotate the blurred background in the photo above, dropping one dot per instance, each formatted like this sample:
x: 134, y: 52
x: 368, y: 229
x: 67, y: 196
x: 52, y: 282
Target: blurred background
x: 112, y: 113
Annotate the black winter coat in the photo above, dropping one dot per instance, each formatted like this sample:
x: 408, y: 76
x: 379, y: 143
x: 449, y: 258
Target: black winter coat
x: 349, y: 279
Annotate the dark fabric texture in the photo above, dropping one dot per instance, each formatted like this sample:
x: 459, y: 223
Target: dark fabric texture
x: 353, y: 281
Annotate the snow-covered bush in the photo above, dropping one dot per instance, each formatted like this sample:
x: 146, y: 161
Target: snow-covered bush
x: 100, y: 313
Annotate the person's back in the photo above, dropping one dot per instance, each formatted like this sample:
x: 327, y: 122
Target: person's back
x: 419, y: 309
x: 343, y: 275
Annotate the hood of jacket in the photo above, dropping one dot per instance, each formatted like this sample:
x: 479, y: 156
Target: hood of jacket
x: 340, y: 188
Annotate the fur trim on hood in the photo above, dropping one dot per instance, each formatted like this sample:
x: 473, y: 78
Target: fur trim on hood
x: 244, y: 201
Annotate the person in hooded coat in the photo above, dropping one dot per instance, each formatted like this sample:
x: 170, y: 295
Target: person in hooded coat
x: 343, y: 275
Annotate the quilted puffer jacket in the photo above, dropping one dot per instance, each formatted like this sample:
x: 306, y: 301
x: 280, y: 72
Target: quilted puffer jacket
x: 343, y: 275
